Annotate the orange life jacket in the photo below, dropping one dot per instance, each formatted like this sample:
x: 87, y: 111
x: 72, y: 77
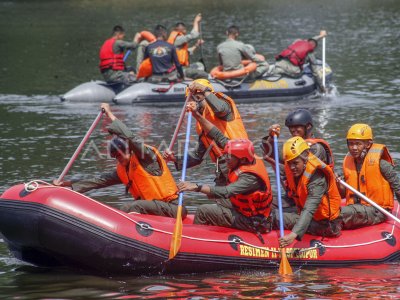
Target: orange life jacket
x: 258, y: 202
x: 369, y: 181
x: 145, y: 69
x: 109, y: 59
x: 145, y: 186
x: 297, y: 52
x: 182, y: 52
x: 329, y: 207
x: 231, y: 129
x: 329, y: 155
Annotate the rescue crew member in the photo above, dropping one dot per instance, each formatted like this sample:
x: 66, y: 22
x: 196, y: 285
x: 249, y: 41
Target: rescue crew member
x: 163, y: 57
x: 180, y: 39
x: 311, y: 183
x: 141, y: 169
x: 369, y: 168
x: 290, y: 61
x: 300, y: 123
x: 231, y: 52
x: 112, y: 64
x: 221, y: 111
x: 244, y: 203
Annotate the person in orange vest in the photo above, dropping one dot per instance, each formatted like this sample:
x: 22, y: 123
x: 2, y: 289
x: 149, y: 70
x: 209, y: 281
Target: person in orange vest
x: 111, y: 55
x: 290, y: 61
x: 369, y: 168
x: 141, y: 168
x: 180, y: 39
x: 312, y: 185
x: 231, y: 52
x: 221, y: 111
x: 244, y: 203
x: 300, y: 123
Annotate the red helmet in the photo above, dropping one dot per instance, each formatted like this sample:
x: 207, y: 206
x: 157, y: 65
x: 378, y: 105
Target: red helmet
x: 240, y: 148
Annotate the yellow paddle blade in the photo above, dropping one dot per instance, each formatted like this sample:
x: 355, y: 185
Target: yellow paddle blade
x: 284, y: 267
x: 177, y: 235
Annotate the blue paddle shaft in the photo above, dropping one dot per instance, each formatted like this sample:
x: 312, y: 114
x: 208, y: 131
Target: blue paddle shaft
x: 127, y: 54
x: 185, y: 154
x: 278, y: 185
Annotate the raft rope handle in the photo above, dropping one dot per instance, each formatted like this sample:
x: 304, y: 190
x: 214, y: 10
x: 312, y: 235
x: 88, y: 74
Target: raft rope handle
x: 318, y: 244
x: 225, y: 84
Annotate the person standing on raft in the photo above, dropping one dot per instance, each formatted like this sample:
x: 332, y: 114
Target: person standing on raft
x: 244, y: 203
x: 231, y: 52
x: 141, y: 169
x: 111, y: 55
x: 180, y: 39
x: 290, y: 61
x: 368, y: 168
x: 222, y: 112
x: 311, y: 183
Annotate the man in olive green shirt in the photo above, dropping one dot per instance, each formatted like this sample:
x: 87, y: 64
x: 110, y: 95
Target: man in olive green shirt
x: 283, y: 66
x: 223, y: 213
x: 231, y: 52
x: 223, y: 111
x: 147, y: 159
x: 359, y: 143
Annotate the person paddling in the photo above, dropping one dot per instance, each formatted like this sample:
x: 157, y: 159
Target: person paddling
x: 244, y: 203
x: 300, y: 123
x: 311, y: 183
x: 111, y: 55
x: 290, y: 62
x: 141, y: 168
x: 222, y: 112
x: 180, y: 39
x: 368, y: 168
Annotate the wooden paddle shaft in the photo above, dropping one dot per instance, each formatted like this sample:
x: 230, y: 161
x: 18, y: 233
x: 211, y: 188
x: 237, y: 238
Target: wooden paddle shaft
x: 79, y: 149
x: 180, y: 121
x: 323, y: 62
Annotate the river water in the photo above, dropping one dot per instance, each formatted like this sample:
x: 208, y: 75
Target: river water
x: 48, y: 47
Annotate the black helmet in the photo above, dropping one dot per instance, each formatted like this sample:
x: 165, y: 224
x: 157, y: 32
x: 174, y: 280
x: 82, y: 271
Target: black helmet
x: 116, y: 146
x: 300, y: 116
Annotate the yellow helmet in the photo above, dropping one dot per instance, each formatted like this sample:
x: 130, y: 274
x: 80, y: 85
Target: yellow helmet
x: 359, y: 132
x: 204, y: 82
x: 293, y: 147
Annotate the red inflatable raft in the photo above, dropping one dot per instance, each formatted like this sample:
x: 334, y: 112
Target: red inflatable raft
x: 51, y: 226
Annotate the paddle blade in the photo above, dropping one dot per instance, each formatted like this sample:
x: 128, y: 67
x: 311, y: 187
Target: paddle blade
x: 177, y: 235
x: 284, y: 267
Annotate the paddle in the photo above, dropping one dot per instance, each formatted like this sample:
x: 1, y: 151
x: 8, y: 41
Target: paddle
x: 178, y: 126
x: 79, y: 149
x: 284, y: 267
x: 127, y: 54
x: 201, y: 49
x: 323, y: 63
x: 177, y: 234
x: 378, y: 207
